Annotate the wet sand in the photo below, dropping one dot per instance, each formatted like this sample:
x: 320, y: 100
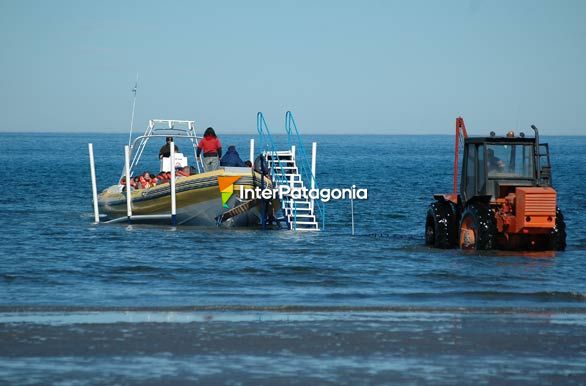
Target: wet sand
x: 269, y: 347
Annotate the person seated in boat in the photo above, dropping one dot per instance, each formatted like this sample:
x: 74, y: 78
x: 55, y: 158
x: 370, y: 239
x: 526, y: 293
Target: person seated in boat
x: 183, y: 171
x: 248, y: 163
x: 211, y: 147
x: 232, y: 158
x: 165, y: 151
x: 123, y: 183
x: 153, y: 179
x: 142, y: 182
x: 162, y: 177
x: 135, y: 181
x: 147, y: 180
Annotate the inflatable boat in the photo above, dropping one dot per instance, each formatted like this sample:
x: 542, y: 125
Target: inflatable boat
x: 202, y: 198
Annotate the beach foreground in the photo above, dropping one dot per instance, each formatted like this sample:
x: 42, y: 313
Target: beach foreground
x: 447, y: 346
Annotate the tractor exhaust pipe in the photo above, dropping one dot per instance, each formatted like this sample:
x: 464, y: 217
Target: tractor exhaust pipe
x: 536, y: 155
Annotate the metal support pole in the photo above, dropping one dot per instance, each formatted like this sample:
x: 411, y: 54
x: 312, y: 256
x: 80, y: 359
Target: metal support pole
x: 263, y: 202
x: 127, y: 172
x: 173, y: 198
x: 352, y: 210
x: 313, y: 161
x: 133, y: 106
x: 292, y: 159
x: 251, y: 150
x: 94, y: 185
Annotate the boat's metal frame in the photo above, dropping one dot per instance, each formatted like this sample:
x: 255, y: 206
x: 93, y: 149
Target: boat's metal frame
x: 164, y: 128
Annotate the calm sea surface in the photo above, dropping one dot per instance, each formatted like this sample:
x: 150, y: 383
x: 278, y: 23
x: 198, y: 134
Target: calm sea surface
x: 53, y: 258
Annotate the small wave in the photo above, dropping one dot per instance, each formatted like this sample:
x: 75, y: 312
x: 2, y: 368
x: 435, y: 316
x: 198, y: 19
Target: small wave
x: 135, y: 268
x: 443, y: 275
x: 8, y: 277
x: 507, y: 295
x: 395, y: 216
x: 295, y: 269
x: 253, y: 270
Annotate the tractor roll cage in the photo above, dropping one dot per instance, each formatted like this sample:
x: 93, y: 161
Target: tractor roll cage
x: 538, y: 175
x: 477, y: 179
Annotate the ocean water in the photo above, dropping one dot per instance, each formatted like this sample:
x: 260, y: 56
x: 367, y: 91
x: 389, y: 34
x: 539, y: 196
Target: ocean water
x: 56, y: 263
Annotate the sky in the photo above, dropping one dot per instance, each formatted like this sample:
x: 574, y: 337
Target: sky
x: 342, y: 67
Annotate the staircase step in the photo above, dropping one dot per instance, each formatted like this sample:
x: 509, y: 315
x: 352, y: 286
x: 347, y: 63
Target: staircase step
x: 299, y: 212
x: 305, y: 224
x: 299, y: 204
x: 290, y: 205
x: 303, y: 219
x: 298, y: 208
x: 282, y: 163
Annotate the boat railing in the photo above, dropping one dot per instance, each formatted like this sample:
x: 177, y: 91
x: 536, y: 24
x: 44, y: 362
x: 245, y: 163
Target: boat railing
x: 307, y: 171
x: 171, y: 128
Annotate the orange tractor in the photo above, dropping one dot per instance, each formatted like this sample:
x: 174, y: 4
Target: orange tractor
x: 506, y: 198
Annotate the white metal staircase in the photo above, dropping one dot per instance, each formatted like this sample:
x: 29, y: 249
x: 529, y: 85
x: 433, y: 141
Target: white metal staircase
x: 299, y: 212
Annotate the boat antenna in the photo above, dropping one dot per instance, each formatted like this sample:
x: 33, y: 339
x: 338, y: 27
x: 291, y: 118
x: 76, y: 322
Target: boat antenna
x: 133, y: 105
x: 518, y: 109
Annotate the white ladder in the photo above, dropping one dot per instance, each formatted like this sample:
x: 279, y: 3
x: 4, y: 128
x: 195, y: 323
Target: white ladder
x: 300, y: 213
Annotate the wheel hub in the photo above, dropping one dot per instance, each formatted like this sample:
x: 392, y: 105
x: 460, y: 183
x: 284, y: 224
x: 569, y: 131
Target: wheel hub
x: 468, y: 238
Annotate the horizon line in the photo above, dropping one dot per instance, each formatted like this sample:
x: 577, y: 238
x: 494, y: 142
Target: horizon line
x: 276, y: 134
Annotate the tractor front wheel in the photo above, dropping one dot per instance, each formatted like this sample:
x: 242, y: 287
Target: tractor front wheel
x: 477, y: 228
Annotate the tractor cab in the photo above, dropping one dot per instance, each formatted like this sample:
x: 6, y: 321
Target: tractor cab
x: 494, y: 166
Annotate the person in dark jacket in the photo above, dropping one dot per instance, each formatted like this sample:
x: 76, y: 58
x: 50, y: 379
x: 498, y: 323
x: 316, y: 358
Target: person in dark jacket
x: 165, y: 151
x: 260, y: 165
x: 232, y: 158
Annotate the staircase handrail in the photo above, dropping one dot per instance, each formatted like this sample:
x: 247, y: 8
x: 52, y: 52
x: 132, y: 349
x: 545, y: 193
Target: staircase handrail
x: 266, y: 141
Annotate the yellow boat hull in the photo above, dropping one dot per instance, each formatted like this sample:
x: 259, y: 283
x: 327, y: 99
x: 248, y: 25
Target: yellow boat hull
x: 198, y: 200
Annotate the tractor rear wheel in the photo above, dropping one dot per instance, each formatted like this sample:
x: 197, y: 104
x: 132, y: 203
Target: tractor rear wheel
x: 557, y: 237
x: 440, y: 225
x: 477, y: 228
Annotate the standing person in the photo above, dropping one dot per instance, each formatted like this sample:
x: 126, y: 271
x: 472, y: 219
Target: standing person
x: 165, y: 151
x: 212, y: 150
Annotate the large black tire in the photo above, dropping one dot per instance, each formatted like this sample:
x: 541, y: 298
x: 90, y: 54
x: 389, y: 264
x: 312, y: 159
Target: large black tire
x: 557, y: 237
x: 441, y: 225
x: 479, y: 218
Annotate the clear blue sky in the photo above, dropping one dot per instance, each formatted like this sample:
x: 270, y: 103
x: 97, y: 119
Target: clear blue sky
x: 341, y: 66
